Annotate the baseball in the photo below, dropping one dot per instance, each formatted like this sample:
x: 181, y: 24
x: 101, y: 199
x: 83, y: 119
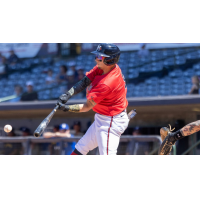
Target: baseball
x: 7, y: 128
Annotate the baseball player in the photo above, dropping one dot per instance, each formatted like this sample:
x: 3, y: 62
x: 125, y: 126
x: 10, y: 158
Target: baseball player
x: 169, y: 138
x: 106, y: 95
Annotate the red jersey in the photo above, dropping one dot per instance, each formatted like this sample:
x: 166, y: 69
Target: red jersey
x: 108, y: 91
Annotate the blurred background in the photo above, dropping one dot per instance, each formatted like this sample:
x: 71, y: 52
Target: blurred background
x: 162, y: 81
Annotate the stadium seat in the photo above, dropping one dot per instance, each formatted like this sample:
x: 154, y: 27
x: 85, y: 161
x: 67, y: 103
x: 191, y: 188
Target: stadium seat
x: 180, y: 60
x: 179, y: 51
x: 132, y: 66
x: 36, y: 61
x: 192, y: 55
x: 164, y: 92
x: 189, y: 73
x: 167, y: 53
x: 169, y: 61
x: 196, y: 67
x: 176, y: 73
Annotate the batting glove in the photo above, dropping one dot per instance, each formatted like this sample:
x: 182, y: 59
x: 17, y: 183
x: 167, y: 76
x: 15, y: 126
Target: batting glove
x: 64, y: 98
x: 63, y: 107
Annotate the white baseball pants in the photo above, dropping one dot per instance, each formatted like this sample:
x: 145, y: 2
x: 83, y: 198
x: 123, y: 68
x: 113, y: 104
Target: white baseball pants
x: 104, y: 133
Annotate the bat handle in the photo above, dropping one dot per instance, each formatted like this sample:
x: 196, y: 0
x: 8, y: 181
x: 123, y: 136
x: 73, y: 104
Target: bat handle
x: 132, y: 114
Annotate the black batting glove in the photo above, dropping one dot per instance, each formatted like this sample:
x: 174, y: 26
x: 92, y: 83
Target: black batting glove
x: 63, y: 107
x: 64, y: 98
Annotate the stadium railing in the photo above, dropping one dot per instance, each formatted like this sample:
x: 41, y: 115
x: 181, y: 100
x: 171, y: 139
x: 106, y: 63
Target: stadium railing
x: 27, y: 141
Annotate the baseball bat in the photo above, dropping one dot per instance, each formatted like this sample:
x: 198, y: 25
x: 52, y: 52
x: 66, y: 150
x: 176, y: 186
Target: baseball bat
x: 132, y: 114
x: 40, y: 129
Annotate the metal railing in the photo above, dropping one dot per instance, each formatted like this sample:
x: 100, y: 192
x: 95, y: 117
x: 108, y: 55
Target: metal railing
x: 27, y: 141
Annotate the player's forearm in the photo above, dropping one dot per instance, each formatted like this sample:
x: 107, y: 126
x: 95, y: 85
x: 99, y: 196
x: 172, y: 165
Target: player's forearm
x: 79, y: 108
x: 80, y: 86
x: 191, y: 128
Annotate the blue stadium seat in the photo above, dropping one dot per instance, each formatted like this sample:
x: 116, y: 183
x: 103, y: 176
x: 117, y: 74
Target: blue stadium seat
x: 152, y: 80
x: 193, y: 55
x: 176, y: 73
x: 167, y: 53
x: 132, y: 54
x: 151, y: 93
x: 165, y: 80
x: 189, y: 73
x: 47, y: 60
x: 157, y: 65
x: 178, y: 81
x: 169, y: 61
x: 36, y: 61
x: 179, y: 51
x: 177, y: 92
x: 196, y: 67
x: 164, y: 92
x: 180, y: 60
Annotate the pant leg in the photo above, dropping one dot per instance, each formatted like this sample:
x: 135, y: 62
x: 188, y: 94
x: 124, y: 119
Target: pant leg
x: 109, y: 131
x: 88, y: 142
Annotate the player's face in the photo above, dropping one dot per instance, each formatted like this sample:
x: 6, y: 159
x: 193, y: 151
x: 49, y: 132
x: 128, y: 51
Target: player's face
x: 99, y: 61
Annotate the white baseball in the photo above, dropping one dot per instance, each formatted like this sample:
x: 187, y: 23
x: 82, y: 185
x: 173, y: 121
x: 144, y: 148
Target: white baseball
x: 7, y: 128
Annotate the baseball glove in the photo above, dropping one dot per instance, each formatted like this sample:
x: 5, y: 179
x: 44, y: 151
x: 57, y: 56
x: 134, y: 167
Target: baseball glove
x: 167, y: 140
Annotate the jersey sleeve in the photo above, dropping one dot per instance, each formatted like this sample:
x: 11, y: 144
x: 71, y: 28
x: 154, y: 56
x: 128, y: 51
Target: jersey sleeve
x: 94, y: 72
x: 98, y: 93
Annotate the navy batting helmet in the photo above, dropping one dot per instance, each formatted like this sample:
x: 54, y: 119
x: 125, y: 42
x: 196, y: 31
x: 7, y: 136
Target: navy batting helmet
x: 110, y: 51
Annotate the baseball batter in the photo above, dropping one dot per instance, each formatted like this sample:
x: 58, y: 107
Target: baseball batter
x: 106, y: 95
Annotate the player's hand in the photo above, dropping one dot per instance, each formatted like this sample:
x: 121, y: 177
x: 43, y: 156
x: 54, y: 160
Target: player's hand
x: 64, y: 98
x: 63, y: 107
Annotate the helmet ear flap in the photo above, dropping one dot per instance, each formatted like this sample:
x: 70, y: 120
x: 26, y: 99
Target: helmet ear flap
x: 118, y: 58
x: 112, y: 59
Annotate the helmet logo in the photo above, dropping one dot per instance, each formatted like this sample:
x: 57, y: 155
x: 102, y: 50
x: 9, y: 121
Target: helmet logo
x: 99, y: 48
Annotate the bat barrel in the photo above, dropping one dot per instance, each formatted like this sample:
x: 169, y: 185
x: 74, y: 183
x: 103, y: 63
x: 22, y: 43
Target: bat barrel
x: 40, y: 129
x: 36, y: 135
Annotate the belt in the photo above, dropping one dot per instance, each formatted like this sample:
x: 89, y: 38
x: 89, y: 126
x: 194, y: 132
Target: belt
x: 118, y: 114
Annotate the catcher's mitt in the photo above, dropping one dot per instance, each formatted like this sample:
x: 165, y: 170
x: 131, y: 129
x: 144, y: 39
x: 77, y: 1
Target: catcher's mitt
x: 167, y: 140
